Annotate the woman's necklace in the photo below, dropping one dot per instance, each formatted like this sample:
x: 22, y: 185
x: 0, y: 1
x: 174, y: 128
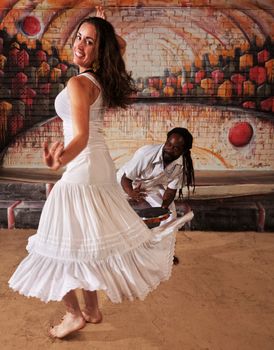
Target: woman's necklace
x: 90, y: 70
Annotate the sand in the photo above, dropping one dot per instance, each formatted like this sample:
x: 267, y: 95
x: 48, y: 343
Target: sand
x: 220, y: 296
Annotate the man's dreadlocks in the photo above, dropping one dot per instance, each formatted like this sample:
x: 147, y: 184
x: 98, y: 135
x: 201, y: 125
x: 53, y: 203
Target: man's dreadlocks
x: 188, y: 170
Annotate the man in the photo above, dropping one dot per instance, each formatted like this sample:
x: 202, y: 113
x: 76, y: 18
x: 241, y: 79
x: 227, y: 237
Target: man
x: 155, y: 172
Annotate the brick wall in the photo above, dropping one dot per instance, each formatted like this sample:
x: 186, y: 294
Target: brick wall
x: 127, y: 130
x: 205, y: 53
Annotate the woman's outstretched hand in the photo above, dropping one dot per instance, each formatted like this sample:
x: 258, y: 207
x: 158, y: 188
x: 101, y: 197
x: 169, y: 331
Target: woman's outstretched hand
x: 100, y: 12
x: 52, y: 154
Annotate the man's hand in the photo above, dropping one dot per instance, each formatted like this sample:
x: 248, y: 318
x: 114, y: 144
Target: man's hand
x: 51, y: 155
x: 137, y: 193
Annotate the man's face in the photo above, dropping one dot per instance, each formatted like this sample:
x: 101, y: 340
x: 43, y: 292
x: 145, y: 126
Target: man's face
x: 173, y: 148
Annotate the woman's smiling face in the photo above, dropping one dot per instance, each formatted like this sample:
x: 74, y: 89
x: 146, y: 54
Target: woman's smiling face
x: 84, y: 46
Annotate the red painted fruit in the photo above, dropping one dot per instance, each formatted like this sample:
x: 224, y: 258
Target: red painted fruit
x: 31, y: 26
x: 240, y: 134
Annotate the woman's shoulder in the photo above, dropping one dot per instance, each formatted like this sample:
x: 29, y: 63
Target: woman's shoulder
x: 81, y: 88
x: 77, y: 80
x: 81, y: 84
x: 87, y: 78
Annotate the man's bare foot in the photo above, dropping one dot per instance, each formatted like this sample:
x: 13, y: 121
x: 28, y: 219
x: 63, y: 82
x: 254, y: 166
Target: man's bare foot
x: 92, y: 316
x: 69, y: 324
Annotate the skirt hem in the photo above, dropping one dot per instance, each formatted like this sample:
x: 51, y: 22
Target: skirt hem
x: 132, y: 276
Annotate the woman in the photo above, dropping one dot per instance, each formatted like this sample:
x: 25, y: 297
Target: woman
x: 88, y: 236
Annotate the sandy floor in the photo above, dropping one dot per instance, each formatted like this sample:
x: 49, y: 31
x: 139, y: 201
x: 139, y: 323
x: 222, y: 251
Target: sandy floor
x: 220, y: 296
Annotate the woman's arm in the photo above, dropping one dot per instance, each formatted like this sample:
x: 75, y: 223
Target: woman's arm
x: 122, y: 44
x: 100, y: 12
x: 82, y: 94
x: 79, y: 104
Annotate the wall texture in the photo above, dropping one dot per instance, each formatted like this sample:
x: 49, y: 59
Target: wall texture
x: 204, y: 65
x: 127, y: 130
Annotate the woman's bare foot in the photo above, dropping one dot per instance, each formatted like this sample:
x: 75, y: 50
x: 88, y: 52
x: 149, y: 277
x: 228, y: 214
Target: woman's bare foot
x: 92, y: 316
x: 70, y: 323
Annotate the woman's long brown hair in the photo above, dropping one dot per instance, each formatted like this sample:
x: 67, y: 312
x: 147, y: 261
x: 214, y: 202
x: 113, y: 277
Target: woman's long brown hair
x: 116, y: 83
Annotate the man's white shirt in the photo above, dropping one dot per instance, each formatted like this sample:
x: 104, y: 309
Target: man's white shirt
x: 146, y: 166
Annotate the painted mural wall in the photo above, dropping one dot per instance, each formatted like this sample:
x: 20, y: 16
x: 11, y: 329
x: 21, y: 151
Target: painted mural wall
x: 204, y: 65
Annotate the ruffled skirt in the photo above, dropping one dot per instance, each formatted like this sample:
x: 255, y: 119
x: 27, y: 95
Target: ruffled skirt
x: 90, y: 238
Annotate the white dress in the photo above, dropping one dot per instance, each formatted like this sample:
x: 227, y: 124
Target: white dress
x: 88, y: 236
x: 146, y: 170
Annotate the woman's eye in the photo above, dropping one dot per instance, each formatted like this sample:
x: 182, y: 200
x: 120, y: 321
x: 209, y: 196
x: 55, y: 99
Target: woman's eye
x: 89, y: 42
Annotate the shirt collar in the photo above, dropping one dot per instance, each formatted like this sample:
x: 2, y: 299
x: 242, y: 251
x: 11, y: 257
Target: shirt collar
x: 159, y: 158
